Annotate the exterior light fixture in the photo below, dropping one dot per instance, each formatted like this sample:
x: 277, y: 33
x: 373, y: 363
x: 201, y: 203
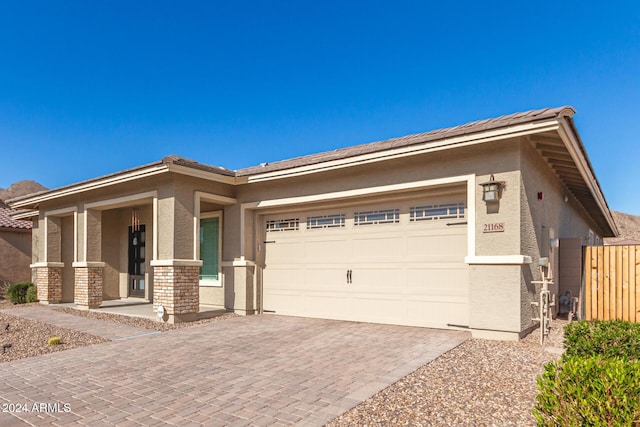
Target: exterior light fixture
x: 492, y: 190
x: 135, y: 220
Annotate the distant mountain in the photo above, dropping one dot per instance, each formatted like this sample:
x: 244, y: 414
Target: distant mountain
x: 20, y: 188
x: 629, y: 228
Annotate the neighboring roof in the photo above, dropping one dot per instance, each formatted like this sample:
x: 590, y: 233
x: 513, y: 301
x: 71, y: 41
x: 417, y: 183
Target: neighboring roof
x: 7, y: 222
x: 434, y: 135
x: 562, y: 149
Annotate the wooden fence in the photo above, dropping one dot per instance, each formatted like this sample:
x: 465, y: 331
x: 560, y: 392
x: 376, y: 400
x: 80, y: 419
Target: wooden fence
x: 612, y: 282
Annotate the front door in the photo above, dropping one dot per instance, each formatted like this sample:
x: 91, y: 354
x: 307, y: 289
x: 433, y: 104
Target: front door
x: 136, y: 261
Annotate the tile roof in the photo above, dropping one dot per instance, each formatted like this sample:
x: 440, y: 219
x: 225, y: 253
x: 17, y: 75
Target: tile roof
x: 434, y: 135
x: 7, y: 222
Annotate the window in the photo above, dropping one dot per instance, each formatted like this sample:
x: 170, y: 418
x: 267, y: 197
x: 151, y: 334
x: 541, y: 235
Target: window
x: 326, y: 221
x: 435, y: 212
x: 210, y: 251
x: 386, y: 216
x: 290, y: 224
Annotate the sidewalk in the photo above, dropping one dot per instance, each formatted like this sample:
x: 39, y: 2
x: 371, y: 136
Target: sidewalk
x: 102, y: 328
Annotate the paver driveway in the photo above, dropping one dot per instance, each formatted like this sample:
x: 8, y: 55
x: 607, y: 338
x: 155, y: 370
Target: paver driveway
x: 255, y: 370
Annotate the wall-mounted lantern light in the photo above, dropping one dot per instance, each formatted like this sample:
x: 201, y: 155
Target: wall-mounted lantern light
x: 492, y: 190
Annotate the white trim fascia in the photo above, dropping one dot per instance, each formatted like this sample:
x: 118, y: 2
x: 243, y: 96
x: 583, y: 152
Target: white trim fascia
x: 360, y: 192
x: 471, y: 215
x: 155, y: 226
x: 210, y: 197
x: 25, y: 215
x: 197, y: 173
x: 215, y: 198
x: 370, y: 191
x: 238, y: 263
x: 75, y: 236
x: 122, y: 202
x: 100, y: 183
x: 90, y: 264
x: 439, y: 145
x: 110, y: 203
x: 62, y: 212
x: 176, y: 263
x: 45, y: 234
x: 196, y: 241
x: 46, y: 264
x: 498, y: 260
x: 573, y: 146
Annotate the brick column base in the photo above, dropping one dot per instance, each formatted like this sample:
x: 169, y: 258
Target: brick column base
x: 88, y: 286
x: 49, y: 284
x: 176, y: 289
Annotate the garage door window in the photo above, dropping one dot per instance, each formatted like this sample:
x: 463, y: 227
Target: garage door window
x: 287, y: 224
x: 326, y: 221
x: 386, y: 216
x: 436, y: 212
x: 210, y: 251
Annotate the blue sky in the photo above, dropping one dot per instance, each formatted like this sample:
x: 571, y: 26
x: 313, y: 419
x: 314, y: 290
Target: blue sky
x: 90, y: 88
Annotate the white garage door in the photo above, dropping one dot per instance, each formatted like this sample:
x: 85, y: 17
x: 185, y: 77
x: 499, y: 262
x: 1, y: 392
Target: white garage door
x: 396, y: 262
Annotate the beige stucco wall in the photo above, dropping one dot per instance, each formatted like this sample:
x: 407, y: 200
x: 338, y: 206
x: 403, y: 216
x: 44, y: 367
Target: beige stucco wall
x: 539, y: 218
x: 500, y: 294
x: 15, y: 256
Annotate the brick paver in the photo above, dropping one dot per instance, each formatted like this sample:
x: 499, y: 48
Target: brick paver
x: 255, y: 370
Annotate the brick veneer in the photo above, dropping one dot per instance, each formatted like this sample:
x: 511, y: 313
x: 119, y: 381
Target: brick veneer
x: 176, y: 289
x: 49, y: 284
x: 88, y: 286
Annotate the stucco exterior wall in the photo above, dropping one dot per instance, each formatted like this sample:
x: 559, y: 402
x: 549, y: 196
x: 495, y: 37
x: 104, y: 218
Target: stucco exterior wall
x: 542, y: 220
x: 15, y: 256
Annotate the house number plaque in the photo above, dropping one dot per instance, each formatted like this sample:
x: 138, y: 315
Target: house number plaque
x: 496, y: 227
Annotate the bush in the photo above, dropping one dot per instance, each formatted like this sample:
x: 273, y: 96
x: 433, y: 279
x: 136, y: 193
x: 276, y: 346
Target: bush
x: 609, y: 338
x: 589, y: 391
x: 17, y: 293
x: 54, y: 341
x: 32, y: 294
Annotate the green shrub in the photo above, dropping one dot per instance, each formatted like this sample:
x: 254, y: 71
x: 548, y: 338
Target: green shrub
x: 17, y: 293
x: 588, y: 391
x: 32, y: 294
x: 54, y: 341
x: 609, y: 338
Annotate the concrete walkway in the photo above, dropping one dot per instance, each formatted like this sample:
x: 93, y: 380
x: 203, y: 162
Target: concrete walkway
x: 101, y: 328
x: 256, y: 370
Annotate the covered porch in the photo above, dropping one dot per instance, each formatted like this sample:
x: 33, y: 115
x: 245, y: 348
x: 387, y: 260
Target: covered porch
x: 156, y: 253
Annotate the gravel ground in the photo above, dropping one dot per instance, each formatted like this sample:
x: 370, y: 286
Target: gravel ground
x: 30, y: 338
x: 479, y: 383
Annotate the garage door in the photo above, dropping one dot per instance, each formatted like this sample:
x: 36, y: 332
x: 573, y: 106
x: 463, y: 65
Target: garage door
x: 396, y: 262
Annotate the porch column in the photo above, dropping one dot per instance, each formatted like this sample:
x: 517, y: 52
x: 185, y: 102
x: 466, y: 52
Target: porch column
x: 176, y: 289
x: 48, y: 273
x: 88, y: 284
x: 48, y: 281
x: 89, y: 274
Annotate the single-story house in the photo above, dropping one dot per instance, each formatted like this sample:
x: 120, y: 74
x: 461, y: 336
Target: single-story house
x: 443, y: 229
x: 15, y: 248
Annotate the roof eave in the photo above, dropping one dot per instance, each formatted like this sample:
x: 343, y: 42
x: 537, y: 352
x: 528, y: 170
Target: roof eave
x: 495, y: 134
x: 32, y: 201
x: 574, y: 145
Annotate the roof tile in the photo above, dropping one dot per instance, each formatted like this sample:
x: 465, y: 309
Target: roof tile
x: 7, y: 222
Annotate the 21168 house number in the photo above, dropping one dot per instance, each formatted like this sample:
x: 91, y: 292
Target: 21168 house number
x: 496, y: 227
